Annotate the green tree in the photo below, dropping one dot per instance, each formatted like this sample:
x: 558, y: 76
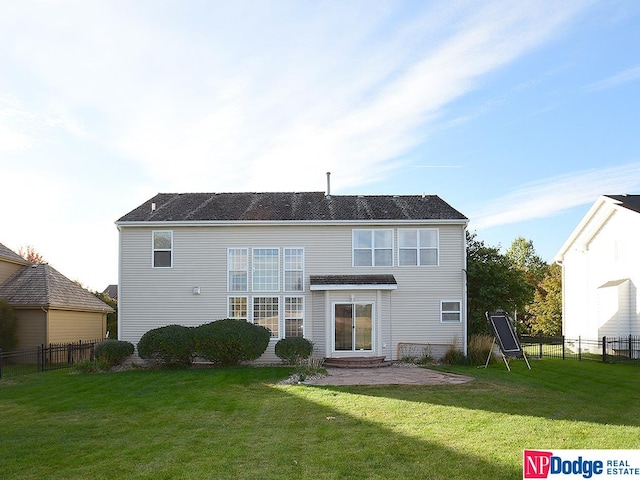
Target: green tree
x: 523, y: 255
x: 112, y: 318
x: 8, y: 326
x: 546, y: 309
x: 493, y: 282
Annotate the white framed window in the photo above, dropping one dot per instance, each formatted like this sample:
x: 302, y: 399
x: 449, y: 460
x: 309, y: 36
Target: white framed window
x: 162, y: 245
x: 266, y: 269
x: 293, y: 316
x: 293, y: 269
x: 237, y: 308
x: 450, y: 311
x: 237, y: 269
x: 266, y: 312
x: 418, y: 246
x: 373, y: 248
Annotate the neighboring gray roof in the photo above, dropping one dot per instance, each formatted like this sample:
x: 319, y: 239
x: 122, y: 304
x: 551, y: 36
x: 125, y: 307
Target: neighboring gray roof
x: 303, y: 206
x: 632, y: 202
x: 43, y: 286
x: 112, y: 291
x: 11, y: 256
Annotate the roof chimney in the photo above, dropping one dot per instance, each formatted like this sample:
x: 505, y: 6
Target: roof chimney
x: 328, y: 185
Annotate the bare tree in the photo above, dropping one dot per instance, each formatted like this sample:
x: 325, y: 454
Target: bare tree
x: 31, y: 255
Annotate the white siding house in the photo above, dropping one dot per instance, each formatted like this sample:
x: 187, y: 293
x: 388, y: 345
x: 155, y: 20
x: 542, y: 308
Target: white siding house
x: 356, y: 275
x: 601, y: 271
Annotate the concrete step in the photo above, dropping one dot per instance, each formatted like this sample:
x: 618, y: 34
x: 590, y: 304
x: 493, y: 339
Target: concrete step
x: 356, y: 362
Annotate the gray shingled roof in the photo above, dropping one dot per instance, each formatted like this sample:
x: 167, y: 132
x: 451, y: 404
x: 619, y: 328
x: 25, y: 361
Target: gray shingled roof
x: 43, y: 286
x: 10, y: 255
x: 353, y: 280
x: 303, y: 206
x: 632, y: 202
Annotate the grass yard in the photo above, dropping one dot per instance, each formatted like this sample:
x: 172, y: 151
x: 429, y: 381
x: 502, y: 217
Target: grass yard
x: 238, y: 423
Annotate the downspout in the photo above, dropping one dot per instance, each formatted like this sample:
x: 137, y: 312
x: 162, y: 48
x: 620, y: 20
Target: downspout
x: 465, y: 325
x: 46, y: 325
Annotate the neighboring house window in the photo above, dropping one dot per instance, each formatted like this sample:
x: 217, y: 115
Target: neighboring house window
x: 293, y: 316
x: 450, y: 311
x: 266, y: 313
x: 293, y: 269
x: 372, y: 248
x: 418, y: 246
x: 238, y: 268
x: 237, y: 308
x: 266, y: 269
x: 163, y: 249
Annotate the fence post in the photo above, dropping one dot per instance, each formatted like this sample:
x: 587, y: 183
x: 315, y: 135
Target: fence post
x: 630, y: 356
x: 579, y: 347
x: 604, y: 349
x: 563, y: 347
x: 41, y: 358
x: 540, y: 344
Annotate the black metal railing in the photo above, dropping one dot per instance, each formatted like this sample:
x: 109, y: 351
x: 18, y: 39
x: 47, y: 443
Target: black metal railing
x: 605, y: 349
x: 45, y: 357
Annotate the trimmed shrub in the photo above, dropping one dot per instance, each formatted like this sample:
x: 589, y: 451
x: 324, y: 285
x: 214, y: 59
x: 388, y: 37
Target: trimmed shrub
x: 113, y: 352
x: 293, y: 349
x: 229, y: 341
x: 172, y: 346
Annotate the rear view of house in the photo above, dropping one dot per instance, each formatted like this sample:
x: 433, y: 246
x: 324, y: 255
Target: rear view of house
x: 356, y: 275
x: 601, y: 270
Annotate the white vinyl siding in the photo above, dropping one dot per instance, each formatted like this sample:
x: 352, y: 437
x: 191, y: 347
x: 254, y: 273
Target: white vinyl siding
x: 162, y: 247
x: 373, y: 248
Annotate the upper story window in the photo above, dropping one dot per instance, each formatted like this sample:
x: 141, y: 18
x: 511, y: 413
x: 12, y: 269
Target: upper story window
x: 266, y: 269
x: 293, y: 269
x: 418, y: 246
x: 238, y: 269
x: 162, y: 249
x: 373, y: 248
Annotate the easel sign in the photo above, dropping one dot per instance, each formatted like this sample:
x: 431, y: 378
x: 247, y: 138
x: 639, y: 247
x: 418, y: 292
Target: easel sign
x: 505, y: 333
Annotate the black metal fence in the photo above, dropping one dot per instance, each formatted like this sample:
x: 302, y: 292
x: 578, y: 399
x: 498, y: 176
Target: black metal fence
x: 606, y: 349
x: 54, y: 356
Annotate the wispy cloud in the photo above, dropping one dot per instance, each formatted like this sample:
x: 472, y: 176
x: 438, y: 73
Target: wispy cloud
x: 629, y: 75
x: 554, y: 195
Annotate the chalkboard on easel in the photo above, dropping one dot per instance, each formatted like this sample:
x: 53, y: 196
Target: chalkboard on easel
x: 505, y: 333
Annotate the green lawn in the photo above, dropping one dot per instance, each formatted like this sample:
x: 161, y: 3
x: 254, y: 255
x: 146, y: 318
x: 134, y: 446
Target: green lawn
x: 237, y: 423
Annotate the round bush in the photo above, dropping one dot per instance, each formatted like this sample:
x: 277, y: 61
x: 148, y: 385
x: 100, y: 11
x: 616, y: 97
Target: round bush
x: 294, y: 349
x: 172, y: 345
x: 113, y: 352
x: 229, y: 342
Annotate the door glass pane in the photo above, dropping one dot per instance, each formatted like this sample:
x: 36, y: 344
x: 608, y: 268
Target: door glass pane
x: 344, y: 326
x: 363, y: 327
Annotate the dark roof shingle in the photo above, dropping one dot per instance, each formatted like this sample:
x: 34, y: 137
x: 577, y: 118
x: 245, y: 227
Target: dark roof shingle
x: 303, y: 206
x: 632, y: 202
x: 42, y: 285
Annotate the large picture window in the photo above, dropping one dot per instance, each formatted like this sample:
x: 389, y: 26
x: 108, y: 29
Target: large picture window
x: 266, y: 313
x: 266, y: 269
x: 238, y: 268
x: 293, y: 269
x: 162, y: 249
x: 372, y: 248
x: 418, y: 246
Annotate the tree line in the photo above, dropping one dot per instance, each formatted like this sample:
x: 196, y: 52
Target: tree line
x: 518, y: 281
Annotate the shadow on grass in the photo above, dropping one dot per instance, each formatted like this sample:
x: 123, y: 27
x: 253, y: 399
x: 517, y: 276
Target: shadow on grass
x: 552, y: 389
x: 223, y: 423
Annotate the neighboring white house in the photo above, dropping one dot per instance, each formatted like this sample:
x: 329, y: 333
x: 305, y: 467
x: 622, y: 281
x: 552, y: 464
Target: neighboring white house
x: 601, y: 271
x: 356, y: 275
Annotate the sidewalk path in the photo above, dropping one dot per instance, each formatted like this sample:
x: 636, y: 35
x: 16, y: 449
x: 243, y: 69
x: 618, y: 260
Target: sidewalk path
x: 388, y: 376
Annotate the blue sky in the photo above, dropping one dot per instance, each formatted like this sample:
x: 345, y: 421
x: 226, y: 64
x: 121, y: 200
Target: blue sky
x: 519, y: 114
